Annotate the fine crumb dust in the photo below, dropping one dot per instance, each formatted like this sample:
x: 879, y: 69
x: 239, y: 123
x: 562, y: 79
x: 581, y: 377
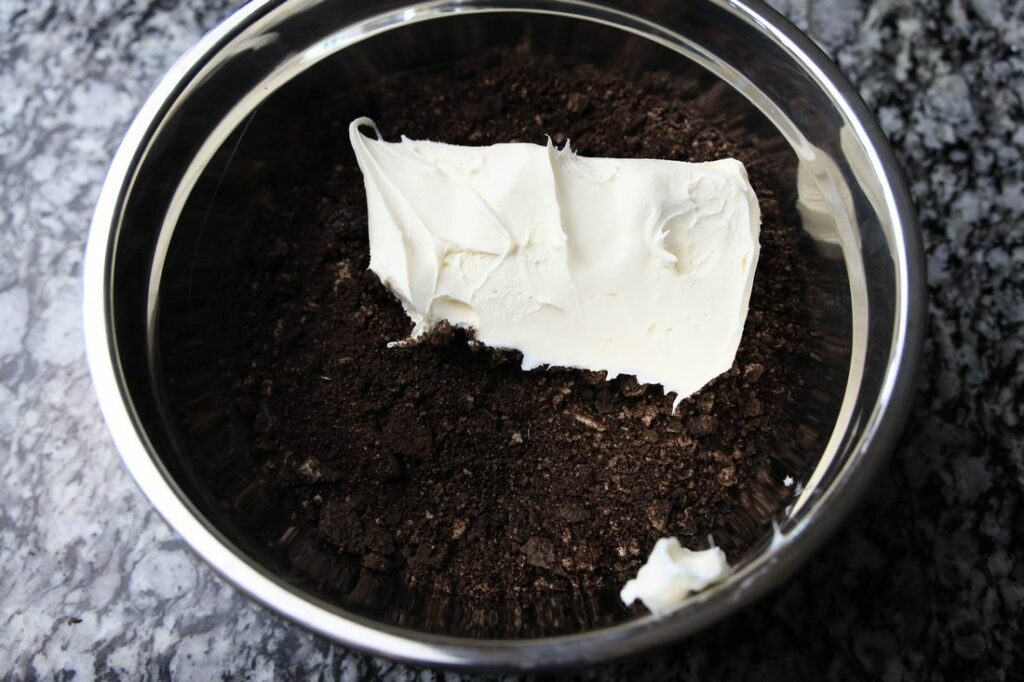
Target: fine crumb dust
x: 437, y: 484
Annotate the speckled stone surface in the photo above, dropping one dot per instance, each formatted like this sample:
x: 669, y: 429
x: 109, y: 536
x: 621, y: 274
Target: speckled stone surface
x: 926, y: 581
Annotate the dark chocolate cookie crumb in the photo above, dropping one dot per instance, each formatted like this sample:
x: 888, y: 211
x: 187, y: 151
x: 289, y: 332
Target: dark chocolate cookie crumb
x: 437, y: 484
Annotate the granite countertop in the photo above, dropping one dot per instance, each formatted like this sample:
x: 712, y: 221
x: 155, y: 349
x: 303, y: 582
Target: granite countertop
x: 926, y: 581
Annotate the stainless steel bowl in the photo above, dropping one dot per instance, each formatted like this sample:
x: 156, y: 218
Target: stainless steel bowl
x: 867, y: 290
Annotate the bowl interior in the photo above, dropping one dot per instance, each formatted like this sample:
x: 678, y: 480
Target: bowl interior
x: 179, y: 252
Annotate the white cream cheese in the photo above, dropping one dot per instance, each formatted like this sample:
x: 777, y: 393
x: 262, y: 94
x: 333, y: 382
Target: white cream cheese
x: 672, y: 573
x: 633, y: 266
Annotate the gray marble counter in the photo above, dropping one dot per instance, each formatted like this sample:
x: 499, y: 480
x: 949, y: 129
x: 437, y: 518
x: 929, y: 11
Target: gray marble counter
x: 926, y: 581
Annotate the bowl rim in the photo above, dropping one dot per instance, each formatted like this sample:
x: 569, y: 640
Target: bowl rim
x: 411, y: 646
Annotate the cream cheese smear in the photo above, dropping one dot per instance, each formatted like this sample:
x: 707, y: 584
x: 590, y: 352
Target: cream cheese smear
x: 631, y: 266
x: 672, y: 573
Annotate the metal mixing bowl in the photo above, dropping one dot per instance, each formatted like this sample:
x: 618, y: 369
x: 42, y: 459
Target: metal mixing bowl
x: 866, y: 266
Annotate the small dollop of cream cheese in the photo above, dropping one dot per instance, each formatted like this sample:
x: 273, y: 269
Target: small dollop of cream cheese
x: 672, y: 573
x: 631, y: 266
